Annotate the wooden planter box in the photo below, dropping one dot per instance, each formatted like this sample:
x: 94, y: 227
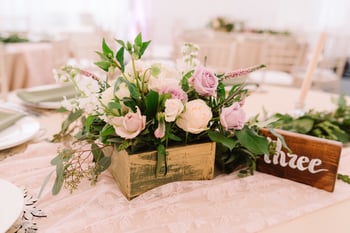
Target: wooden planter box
x: 135, y: 174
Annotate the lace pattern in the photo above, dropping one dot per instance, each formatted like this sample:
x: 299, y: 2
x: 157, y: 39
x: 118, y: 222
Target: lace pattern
x: 224, y: 204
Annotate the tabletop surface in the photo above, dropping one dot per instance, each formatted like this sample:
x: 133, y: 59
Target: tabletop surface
x: 259, y: 203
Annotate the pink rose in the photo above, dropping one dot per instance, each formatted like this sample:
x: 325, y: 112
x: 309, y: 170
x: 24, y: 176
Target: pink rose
x: 204, y: 81
x: 130, y: 125
x: 175, y: 91
x: 196, y: 117
x: 232, y: 117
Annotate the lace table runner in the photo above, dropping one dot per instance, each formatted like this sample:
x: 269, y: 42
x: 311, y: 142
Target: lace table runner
x: 224, y: 204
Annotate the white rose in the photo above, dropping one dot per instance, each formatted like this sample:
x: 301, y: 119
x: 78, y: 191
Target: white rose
x: 88, y: 86
x: 107, y: 96
x: 196, y: 117
x: 123, y: 91
x: 157, y: 84
x: 173, y: 107
x: 167, y: 76
x: 140, y: 68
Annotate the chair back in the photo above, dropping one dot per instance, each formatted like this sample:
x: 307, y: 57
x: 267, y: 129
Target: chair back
x: 218, y: 55
x: 284, y: 54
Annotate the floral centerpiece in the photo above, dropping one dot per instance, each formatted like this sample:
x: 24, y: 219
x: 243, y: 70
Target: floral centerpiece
x: 141, y: 105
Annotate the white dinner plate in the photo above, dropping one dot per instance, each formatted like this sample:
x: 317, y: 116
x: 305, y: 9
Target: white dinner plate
x: 22, y: 131
x: 11, y: 204
x: 43, y: 104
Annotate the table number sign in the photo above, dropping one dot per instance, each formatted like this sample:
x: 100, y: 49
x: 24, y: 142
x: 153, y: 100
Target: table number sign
x: 312, y: 161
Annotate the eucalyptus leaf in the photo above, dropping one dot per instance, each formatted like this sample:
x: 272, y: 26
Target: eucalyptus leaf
x: 59, y: 179
x: 96, y: 152
x: 104, y: 163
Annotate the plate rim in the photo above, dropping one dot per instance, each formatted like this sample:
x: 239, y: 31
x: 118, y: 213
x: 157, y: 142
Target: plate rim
x: 35, y: 128
x: 44, y: 104
x: 17, y: 197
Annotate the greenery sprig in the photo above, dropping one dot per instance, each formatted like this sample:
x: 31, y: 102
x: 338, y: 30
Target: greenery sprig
x: 333, y: 125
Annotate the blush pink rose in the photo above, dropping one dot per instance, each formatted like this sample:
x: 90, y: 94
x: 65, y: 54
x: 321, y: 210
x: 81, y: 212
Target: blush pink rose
x: 130, y: 125
x: 204, y: 81
x: 232, y: 117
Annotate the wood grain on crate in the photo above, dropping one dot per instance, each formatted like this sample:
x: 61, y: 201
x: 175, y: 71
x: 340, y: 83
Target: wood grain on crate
x: 135, y: 174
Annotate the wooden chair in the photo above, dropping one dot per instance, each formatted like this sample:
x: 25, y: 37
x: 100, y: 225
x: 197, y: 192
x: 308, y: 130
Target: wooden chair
x: 327, y: 75
x: 216, y: 50
x: 281, y: 55
x: 219, y: 54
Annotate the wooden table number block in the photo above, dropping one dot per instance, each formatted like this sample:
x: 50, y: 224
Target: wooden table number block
x: 312, y: 161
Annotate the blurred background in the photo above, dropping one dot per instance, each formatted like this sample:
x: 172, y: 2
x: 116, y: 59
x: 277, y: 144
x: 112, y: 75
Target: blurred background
x: 75, y: 29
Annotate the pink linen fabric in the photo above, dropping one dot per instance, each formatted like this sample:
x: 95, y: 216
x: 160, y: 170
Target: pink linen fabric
x: 29, y: 64
x: 224, y: 204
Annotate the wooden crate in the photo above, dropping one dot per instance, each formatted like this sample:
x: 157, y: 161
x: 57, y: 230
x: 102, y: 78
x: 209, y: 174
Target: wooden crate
x: 135, y: 174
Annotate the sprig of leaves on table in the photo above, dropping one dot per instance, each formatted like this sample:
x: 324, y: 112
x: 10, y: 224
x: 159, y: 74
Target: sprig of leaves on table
x: 13, y: 38
x: 333, y: 125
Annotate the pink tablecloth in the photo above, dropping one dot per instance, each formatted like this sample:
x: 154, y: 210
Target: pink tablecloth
x: 224, y: 204
x: 28, y: 64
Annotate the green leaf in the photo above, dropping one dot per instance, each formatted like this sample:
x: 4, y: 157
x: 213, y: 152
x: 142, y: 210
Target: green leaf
x: 134, y: 91
x: 59, y: 179
x: 104, y: 65
x: 96, y: 152
x: 89, y: 120
x: 106, y: 131
x: 102, y: 56
x: 255, y: 143
x: 104, y: 163
x: 342, y: 102
x: 303, y: 125
x: 46, y: 180
x: 220, y: 138
x: 121, y: 43
x: 277, y: 135
x: 161, y: 158
x: 120, y: 58
x: 73, y: 116
x: 130, y: 103
x: 174, y: 137
x: 151, y: 104
x: 144, y: 47
x: 128, y: 46
x: 107, y: 51
x: 56, y: 160
x: 138, y: 40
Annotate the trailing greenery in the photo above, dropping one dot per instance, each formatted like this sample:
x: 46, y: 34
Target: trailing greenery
x: 333, y: 125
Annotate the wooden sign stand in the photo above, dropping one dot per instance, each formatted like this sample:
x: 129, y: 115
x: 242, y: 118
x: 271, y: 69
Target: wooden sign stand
x: 312, y: 161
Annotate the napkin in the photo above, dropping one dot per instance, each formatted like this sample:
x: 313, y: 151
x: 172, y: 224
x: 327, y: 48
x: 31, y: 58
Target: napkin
x: 8, y: 118
x: 47, y: 95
